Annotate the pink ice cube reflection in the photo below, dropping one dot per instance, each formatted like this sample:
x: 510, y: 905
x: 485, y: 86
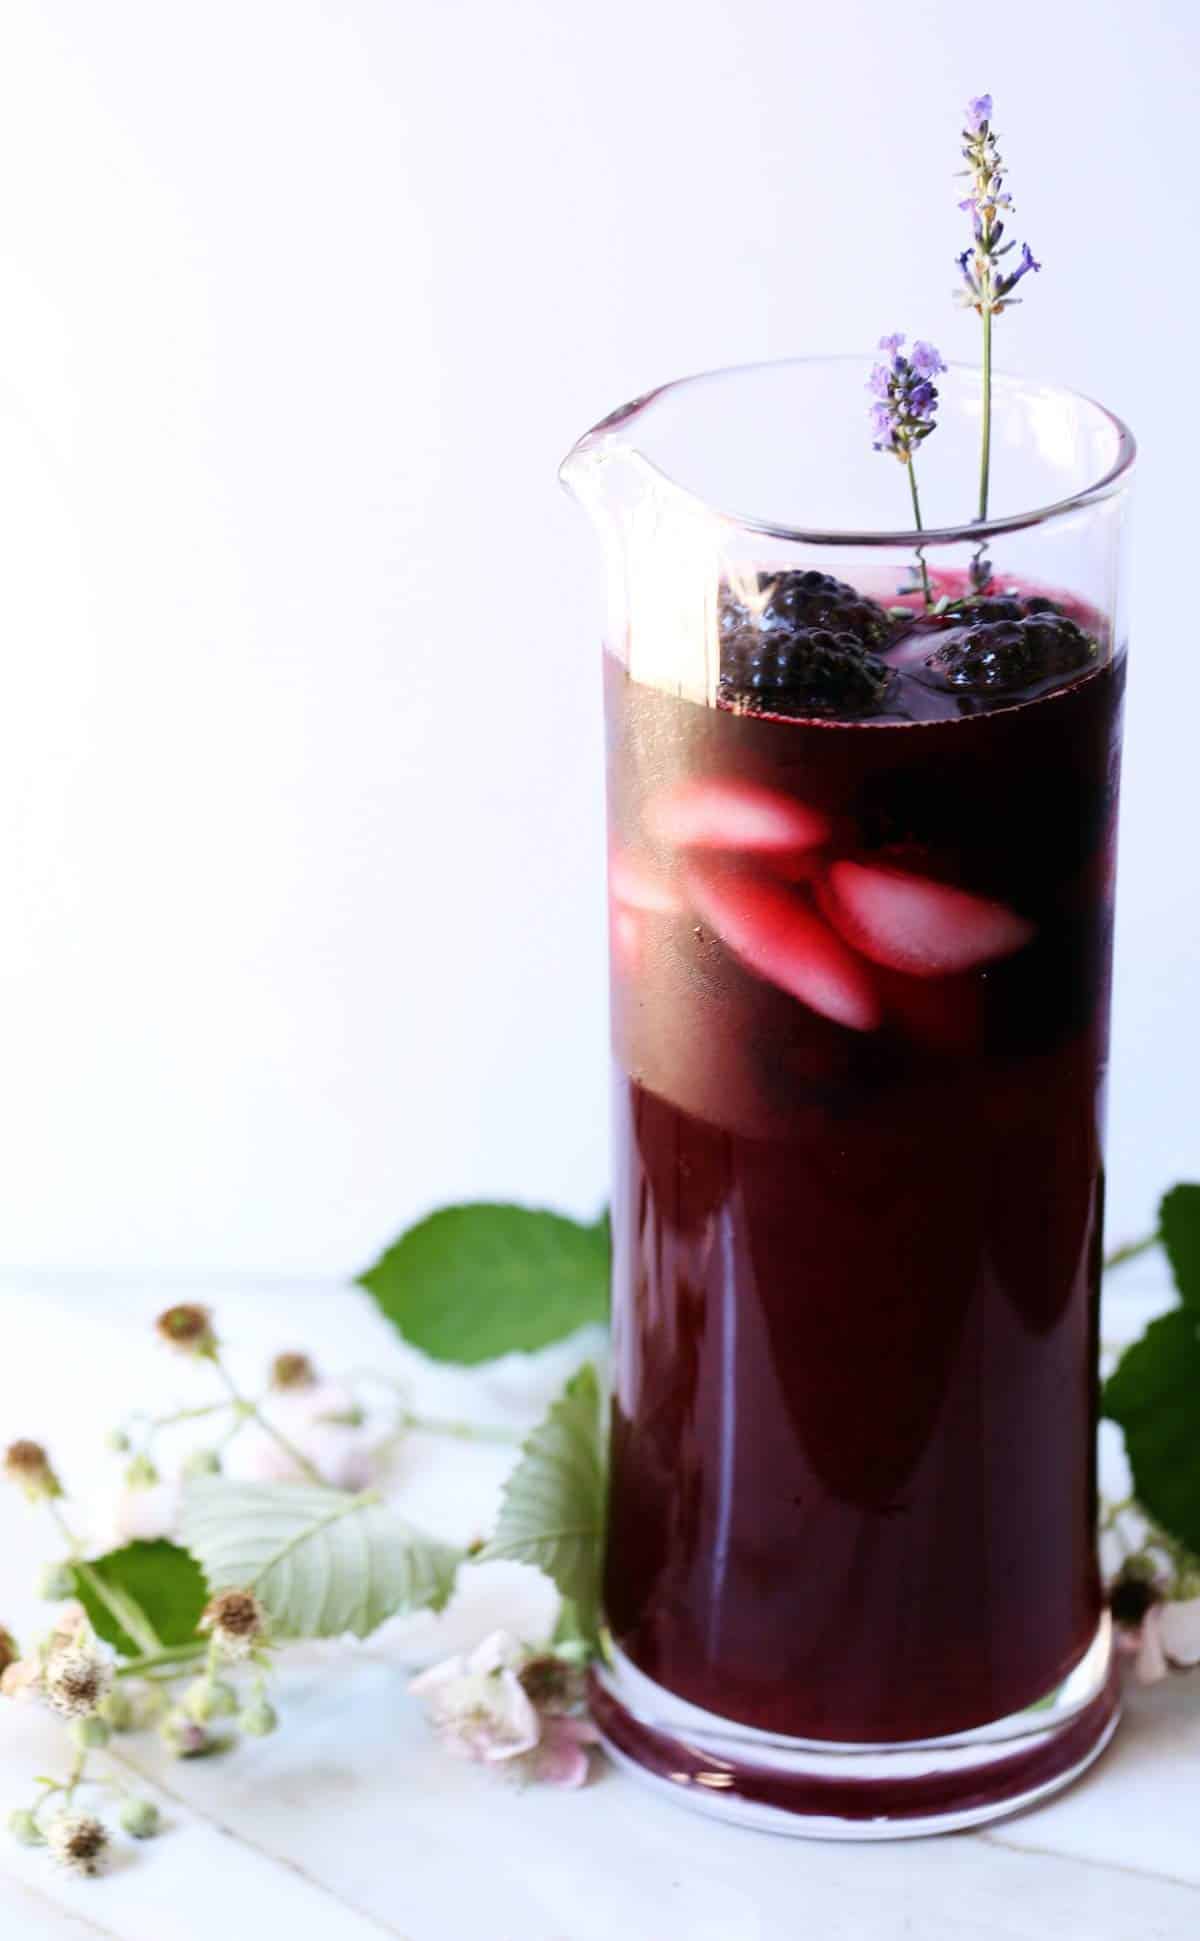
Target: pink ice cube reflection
x: 760, y: 870
x: 734, y: 818
x: 775, y: 932
x: 909, y: 923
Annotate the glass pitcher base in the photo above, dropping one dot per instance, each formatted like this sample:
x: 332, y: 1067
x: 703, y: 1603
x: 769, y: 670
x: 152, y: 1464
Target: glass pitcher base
x: 818, y: 1790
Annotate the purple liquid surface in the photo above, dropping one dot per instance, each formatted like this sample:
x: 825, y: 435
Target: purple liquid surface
x: 860, y: 1058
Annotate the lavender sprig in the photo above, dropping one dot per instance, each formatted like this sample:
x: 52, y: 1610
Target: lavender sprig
x: 905, y: 412
x: 988, y: 284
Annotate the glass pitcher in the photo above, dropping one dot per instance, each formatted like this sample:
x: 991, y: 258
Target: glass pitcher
x: 862, y: 788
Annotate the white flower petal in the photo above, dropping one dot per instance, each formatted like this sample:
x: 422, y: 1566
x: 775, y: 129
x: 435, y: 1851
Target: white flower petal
x: 1179, y: 1627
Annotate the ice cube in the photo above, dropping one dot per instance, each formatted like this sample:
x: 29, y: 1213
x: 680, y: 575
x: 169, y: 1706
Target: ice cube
x: 912, y: 924
x: 744, y: 818
x: 775, y: 932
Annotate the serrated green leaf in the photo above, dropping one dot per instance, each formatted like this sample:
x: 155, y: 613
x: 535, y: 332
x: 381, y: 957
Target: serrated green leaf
x: 552, y: 1512
x: 1179, y: 1224
x: 473, y: 1282
x: 1154, y: 1393
x: 322, y: 1562
x: 143, y: 1596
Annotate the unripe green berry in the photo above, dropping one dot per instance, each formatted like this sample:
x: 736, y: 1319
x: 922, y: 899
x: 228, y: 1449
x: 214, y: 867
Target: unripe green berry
x: 56, y: 1583
x: 116, y: 1709
x: 90, y: 1734
x: 207, y: 1699
x: 24, y: 1828
x: 185, y: 1737
x: 259, y: 1719
x: 140, y: 1817
x: 573, y: 1651
x: 202, y: 1462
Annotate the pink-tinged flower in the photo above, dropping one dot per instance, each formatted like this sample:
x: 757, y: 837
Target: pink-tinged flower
x: 321, y: 1421
x: 504, y: 1706
x: 1179, y: 1631
x: 760, y: 869
x: 22, y: 1679
x: 561, y: 1755
x: 1163, y: 1636
x: 477, y: 1704
x: 144, y: 1512
x: 1149, y: 1660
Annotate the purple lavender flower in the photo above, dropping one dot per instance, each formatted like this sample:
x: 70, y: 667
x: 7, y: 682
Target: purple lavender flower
x: 985, y: 289
x: 905, y: 411
x: 1006, y: 283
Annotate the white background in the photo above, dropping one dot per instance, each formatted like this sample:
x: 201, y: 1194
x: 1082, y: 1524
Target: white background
x: 300, y: 304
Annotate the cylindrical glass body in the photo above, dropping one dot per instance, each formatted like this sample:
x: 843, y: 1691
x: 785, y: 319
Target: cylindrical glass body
x: 860, y: 992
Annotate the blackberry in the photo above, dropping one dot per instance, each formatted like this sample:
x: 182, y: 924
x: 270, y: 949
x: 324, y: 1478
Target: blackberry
x: 1007, y: 656
x: 806, y: 672
x: 795, y: 602
x: 802, y: 645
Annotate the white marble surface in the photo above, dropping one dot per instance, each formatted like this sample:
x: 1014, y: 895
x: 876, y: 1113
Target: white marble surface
x: 351, y: 1825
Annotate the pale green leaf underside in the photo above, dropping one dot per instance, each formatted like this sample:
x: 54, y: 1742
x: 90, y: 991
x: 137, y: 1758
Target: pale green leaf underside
x: 323, y: 1563
x: 552, y: 1514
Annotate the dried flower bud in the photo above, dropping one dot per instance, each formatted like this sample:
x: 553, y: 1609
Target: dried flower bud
x: 292, y: 1371
x: 56, y: 1582
x: 77, y: 1841
x: 75, y: 1680
x: 201, y: 1462
x: 90, y: 1734
x: 142, y: 1473
x: 237, y: 1621
x: 27, y: 1464
x: 259, y: 1719
x: 188, y: 1328
x: 550, y: 1682
x: 1131, y: 1597
x: 140, y: 1817
x: 24, y: 1828
x: 9, y: 1652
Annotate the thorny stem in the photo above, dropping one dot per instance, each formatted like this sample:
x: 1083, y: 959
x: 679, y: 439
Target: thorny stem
x: 252, y: 1412
x: 153, y: 1661
x: 1130, y: 1250
x: 432, y: 1425
x: 124, y: 1611
x: 183, y: 1415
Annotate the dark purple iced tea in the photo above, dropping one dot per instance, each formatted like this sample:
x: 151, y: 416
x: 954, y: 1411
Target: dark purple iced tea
x: 860, y: 1000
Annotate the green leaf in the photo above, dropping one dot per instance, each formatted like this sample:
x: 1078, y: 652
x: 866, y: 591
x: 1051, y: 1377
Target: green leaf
x: 474, y: 1282
x: 322, y: 1562
x: 1154, y: 1393
x: 1179, y: 1224
x: 552, y: 1513
x: 142, y: 1597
